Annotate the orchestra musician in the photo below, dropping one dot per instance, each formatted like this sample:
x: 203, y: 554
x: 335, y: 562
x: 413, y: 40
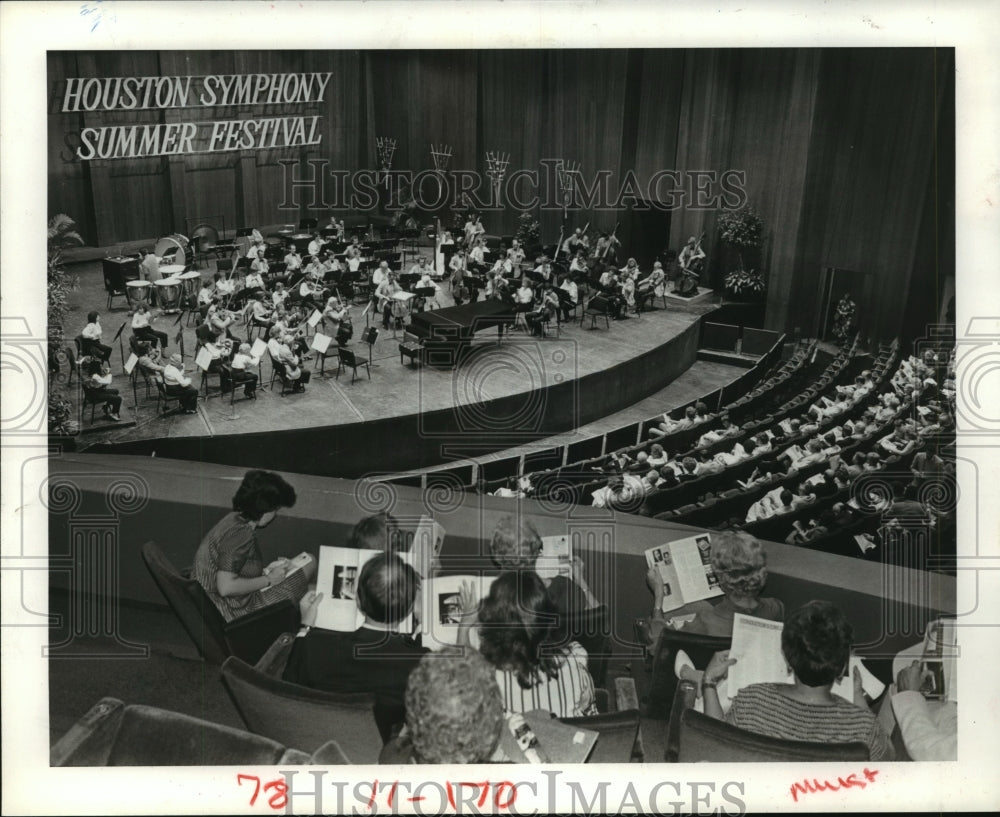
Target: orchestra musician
x: 316, y: 245
x: 578, y: 266
x: 608, y: 282
x: 224, y: 287
x: 243, y: 364
x: 353, y: 255
x: 458, y: 266
x: 142, y: 326
x: 293, y: 370
x: 568, y: 285
x: 338, y: 226
x: 606, y: 247
x: 91, y: 335
x: 516, y: 253
x: 98, y: 388
x: 544, y: 268
x: 380, y: 274
x: 420, y: 267
x: 260, y: 315
x: 254, y: 282
x: 477, y: 257
x: 178, y: 384
x: 577, y: 242
x: 524, y: 297
x: 387, y: 304
x: 205, y: 294
x: 473, y: 229
x: 311, y: 289
x: 426, y: 282
x: 256, y: 245
x: 293, y: 261
x: 149, y: 269
x: 503, y: 266
x: 691, y: 259
x: 219, y: 320
x: 279, y: 295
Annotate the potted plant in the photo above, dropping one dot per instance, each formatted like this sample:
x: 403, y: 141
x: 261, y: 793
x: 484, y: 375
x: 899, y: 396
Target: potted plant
x: 528, y: 230
x: 62, y: 233
x: 743, y: 232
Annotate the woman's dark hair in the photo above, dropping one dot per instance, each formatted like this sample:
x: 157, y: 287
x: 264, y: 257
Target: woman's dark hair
x: 94, y: 366
x: 816, y: 643
x: 387, y: 588
x: 262, y: 492
x: 92, y: 317
x: 517, y: 620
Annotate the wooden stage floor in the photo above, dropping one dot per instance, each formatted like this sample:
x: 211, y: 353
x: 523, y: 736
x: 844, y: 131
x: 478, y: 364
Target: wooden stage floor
x: 519, y: 364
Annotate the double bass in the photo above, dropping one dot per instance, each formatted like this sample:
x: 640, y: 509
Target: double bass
x: 691, y: 269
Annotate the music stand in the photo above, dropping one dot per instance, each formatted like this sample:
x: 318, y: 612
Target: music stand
x: 369, y: 336
x: 118, y: 337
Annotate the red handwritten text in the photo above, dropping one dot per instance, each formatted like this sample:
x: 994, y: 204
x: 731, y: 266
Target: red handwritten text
x: 504, y: 792
x: 849, y: 782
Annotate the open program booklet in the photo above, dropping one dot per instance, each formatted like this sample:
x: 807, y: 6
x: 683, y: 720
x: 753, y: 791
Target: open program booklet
x: 685, y: 567
x: 340, y: 567
x: 757, y: 650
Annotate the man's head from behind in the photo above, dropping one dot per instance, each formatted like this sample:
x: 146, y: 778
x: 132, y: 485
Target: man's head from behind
x: 377, y: 532
x: 454, y: 713
x: 387, y: 589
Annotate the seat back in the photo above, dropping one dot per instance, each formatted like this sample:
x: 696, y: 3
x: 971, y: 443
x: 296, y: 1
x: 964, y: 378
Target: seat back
x: 663, y: 681
x: 113, y: 734
x: 598, y: 305
x: 618, y: 736
x: 703, y: 738
x: 200, y: 618
x: 347, y: 357
x: 284, y: 711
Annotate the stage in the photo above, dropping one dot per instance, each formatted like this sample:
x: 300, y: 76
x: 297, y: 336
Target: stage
x: 412, y: 416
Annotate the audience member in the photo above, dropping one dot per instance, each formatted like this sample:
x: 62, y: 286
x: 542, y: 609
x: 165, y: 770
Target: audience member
x: 516, y: 545
x: 376, y: 657
x: 229, y: 564
x: 516, y: 625
x: 454, y: 713
x: 816, y: 643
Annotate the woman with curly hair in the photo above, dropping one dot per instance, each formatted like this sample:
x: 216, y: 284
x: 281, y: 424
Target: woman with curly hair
x: 229, y: 564
x: 454, y: 713
x: 740, y: 564
x: 516, y: 630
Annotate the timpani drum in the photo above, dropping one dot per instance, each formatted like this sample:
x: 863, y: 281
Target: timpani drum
x: 168, y: 294
x: 171, y: 270
x: 172, y: 249
x: 137, y: 292
x: 189, y: 282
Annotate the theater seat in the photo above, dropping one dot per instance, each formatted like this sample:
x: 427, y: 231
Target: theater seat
x: 216, y: 639
x: 619, y: 741
x: 703, y: 738
x: 294, y: 714
x: 113, y: 734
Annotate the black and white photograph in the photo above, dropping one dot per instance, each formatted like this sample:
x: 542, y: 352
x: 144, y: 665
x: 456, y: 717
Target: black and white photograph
x: 449, y: 608
x: 344, y: 582
x: 316, y: 274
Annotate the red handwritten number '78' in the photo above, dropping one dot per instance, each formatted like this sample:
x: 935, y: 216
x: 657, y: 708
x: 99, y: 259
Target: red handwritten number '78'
x: 277, y: 801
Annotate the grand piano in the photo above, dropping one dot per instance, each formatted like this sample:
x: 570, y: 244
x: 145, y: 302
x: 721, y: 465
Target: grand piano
x: 446, y: 334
